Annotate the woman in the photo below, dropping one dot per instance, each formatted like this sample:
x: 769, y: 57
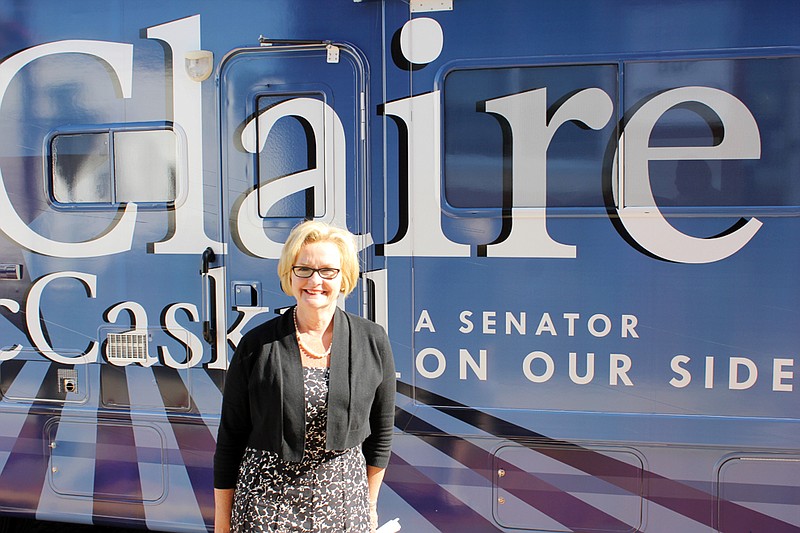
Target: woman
x: 308, y: 407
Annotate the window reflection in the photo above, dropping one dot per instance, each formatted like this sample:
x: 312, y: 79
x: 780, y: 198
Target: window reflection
x: 81, y: 170
x: 144, y: 164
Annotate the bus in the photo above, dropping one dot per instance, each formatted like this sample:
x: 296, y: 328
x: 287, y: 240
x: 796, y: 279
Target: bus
x: 577, y: 221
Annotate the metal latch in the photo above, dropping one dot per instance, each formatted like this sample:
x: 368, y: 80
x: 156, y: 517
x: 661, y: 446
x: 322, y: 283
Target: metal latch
x: 67, y: 380
x: 246, y: 294
x: 11, y: 271
x: 333, y: 53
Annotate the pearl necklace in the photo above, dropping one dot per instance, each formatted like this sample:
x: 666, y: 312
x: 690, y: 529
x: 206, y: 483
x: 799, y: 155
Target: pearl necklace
x: 303, y: 349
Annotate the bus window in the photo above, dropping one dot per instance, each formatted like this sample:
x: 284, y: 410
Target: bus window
x: 290, y: 148
x: 112, y: 167
x: 478, y: 160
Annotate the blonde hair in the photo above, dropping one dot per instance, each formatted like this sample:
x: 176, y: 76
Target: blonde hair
x: 312, y: 231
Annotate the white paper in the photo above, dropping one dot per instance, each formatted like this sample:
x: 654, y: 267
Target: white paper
x: 389, y: 527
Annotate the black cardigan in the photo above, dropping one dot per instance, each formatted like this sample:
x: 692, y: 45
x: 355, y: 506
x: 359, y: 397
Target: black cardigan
x: 263, y: 404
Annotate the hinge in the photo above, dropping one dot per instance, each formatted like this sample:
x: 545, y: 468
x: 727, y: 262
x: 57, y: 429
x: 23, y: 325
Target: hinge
x: 333, y: 53
x: 363, y: 105
x: 420, y: 6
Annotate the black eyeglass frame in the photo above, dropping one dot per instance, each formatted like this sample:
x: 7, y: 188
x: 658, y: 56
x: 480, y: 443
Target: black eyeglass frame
x: 319, y: 271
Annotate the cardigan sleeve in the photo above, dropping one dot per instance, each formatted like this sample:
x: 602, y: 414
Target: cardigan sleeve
x: 235, y: 422
x: 378, y: 445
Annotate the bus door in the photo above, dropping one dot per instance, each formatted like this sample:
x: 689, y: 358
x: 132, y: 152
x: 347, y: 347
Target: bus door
x: 293, y: 147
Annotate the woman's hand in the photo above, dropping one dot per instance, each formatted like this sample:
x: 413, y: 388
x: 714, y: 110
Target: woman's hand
x: 374, y: 480
x: 373, y: 516
x: 223, y: 504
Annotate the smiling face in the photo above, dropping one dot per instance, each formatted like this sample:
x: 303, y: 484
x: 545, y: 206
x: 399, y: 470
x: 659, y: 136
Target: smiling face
x: 315, y: 293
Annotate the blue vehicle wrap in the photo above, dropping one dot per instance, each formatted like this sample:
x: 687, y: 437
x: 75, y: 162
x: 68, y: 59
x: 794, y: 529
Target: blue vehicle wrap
x: 576, y: 220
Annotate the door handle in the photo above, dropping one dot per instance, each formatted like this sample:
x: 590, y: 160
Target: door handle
x: 208, y: 329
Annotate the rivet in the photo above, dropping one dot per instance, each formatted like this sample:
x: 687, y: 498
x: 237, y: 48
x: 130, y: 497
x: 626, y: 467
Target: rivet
x: 501, y: 473
x: 501, y: 500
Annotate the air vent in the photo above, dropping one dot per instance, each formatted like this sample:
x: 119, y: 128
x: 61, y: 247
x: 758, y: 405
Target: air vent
x: 127, y: 347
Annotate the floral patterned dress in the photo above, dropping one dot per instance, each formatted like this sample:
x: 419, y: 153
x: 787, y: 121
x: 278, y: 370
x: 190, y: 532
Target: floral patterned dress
x: 325, y: 492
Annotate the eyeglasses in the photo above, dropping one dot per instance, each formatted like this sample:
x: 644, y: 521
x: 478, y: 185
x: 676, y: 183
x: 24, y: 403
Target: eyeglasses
x: 307, y: 272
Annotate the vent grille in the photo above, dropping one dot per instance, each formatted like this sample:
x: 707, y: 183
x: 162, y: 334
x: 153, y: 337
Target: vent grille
x: 128, y: 347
